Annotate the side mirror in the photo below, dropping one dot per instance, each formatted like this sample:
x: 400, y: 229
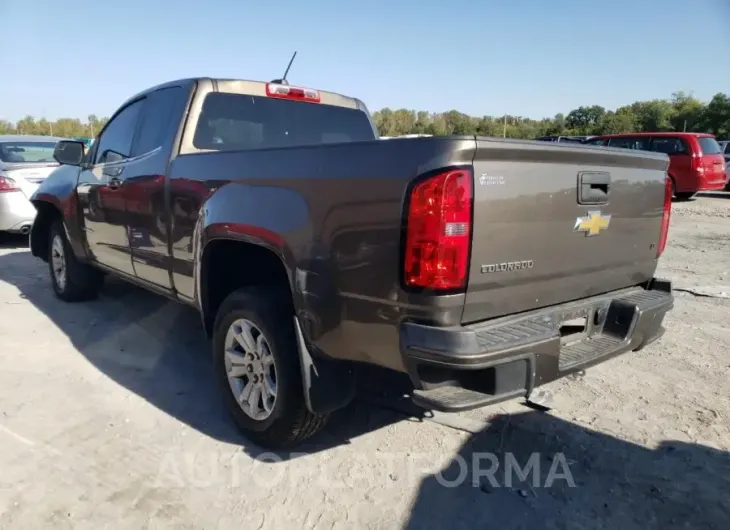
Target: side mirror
x: 69, y: 152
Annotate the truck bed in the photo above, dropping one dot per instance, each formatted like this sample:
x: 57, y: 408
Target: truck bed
x: 339, y: 213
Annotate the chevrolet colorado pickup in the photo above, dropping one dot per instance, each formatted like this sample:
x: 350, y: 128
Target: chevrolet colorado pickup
x: 481, y: 268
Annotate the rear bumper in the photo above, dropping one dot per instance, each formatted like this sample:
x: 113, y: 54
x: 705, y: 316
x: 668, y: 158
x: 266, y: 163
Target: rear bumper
x: 715, y: 182
x: 471, y: 366
x: 16, y: 212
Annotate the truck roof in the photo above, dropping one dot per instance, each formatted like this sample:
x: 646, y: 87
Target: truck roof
x: 246, y: 85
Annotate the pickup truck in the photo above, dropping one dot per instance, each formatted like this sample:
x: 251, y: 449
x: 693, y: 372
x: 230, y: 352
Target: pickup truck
x: 480, y: 268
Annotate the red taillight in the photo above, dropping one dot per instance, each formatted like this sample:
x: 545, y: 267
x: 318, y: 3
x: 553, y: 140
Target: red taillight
x: 438, y: 234
x: 275, y: 90
x: 666, y: 214
x: 697, y: 164
x: 7, y: 184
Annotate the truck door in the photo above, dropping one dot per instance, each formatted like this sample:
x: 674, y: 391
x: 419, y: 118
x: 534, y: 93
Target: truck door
x: 146, y: 193
x: 101, y: 186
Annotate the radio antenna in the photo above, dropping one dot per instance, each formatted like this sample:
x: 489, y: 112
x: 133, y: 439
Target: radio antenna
x: 283, y: 80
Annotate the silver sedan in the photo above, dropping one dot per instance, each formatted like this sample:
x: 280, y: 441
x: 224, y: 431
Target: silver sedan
x: 25, y: 162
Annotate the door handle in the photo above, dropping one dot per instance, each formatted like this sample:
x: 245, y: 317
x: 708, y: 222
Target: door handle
x: 593, y: 187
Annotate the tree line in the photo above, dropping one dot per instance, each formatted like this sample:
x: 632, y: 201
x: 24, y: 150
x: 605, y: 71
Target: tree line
x: 63, y: 127
x: 682, y: 112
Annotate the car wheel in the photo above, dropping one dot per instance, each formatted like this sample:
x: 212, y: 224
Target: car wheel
x: 684, y: 196
x: 72, y: 280
x: 257, y: 368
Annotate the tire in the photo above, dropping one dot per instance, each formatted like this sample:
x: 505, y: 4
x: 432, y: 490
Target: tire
x: 289, y: 422
x: 684, y: 196
x: 79, y: 281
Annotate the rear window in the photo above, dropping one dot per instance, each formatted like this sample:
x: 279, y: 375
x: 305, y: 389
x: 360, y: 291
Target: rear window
x: 709, y: 146
x: 27, y: 152
x: 236, y: 121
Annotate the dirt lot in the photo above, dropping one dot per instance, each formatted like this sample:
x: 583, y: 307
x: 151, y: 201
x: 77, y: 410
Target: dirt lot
x: 108, y: 418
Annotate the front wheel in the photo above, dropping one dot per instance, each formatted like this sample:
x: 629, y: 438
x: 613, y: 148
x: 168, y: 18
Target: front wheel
x: 257, y: 368
x: 72, y: 280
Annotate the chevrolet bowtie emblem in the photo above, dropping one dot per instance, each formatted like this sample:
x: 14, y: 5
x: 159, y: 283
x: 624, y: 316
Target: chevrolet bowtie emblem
x: 592, y: 224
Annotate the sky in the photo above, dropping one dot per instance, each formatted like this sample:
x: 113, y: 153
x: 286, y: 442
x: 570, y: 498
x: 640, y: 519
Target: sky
x: 531, y: 58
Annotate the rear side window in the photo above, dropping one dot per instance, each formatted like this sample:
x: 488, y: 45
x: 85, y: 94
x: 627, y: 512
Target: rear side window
x: 638, y: 143
x: 157, y: 119
x: 709, y: 146
x: 669, y: 146
x: 236, y: 121
x: 597, y: 141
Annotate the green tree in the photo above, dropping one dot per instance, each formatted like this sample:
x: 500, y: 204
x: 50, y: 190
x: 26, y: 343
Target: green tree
x: 715, y: 117
x: 687, y: 110
x: 617, y: 123
x: 584, y: 120
x: 654, y: 115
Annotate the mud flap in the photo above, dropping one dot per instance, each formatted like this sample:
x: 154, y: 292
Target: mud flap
x: 328, y: 385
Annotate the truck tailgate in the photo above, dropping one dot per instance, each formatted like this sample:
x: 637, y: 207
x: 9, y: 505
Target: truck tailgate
x: 536, y: 243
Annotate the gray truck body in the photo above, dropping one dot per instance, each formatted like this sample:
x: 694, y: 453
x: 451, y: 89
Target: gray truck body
x: 193, y: 220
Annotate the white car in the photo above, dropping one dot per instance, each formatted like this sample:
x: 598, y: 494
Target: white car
x: 25, y: 162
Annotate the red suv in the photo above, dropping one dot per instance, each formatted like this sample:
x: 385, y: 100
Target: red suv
x: 696, y: 162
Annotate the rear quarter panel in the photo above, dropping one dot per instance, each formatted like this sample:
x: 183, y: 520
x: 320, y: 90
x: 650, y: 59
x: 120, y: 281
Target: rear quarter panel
x: 334, y: 216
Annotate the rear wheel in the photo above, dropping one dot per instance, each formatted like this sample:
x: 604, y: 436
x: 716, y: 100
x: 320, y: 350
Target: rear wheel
x: 72, y: 280
x: 257, y: 369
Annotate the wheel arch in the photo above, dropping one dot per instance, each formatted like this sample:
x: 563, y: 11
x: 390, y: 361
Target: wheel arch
x: 47, y: 214
x: 229, y: 264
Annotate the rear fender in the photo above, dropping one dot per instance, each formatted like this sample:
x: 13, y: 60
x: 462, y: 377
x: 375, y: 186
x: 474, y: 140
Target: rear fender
x: 266, y: 216
x: 278, y: 219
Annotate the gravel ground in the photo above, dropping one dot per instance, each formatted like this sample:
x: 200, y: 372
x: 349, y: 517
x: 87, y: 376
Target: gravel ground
x: 108, y: 418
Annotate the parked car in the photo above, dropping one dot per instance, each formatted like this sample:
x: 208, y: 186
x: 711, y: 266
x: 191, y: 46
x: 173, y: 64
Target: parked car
x: 570, y: 139
x: 481, y: 268
x: 85, y: 140
x: 696, y: 162
x: 25, y: 162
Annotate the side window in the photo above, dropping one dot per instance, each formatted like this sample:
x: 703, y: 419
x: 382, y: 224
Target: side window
x: 669, y: 146
x: 597, y: 141
x: 158, y: 119
x: 115, y: 143
x: 638, y: 143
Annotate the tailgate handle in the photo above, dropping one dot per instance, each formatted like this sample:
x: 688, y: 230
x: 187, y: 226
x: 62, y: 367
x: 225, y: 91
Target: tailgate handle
x: 593, y: 187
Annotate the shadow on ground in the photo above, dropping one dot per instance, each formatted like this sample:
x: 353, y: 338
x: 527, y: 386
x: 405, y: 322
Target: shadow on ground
x: 12, y: 241
x: 158, y: 350
x: 715, y: 194
x: 616, y: 484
